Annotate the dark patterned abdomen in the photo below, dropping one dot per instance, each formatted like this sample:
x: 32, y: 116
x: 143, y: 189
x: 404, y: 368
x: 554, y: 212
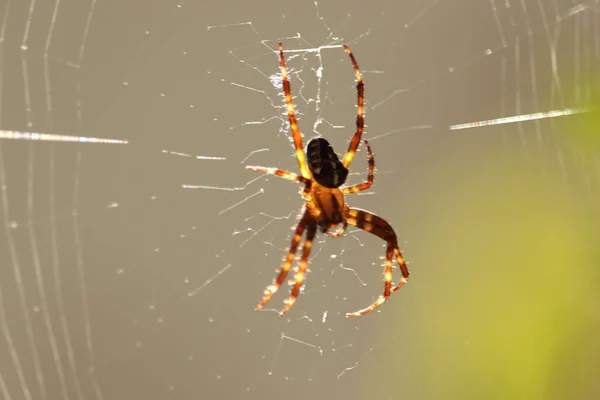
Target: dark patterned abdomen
x: 324, y: 165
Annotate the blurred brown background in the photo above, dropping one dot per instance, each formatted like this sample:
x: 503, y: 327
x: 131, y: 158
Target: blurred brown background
x: 118, y: 283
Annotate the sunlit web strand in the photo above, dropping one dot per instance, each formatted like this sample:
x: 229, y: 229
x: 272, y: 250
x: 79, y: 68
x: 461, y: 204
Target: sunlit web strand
x: 177, y: 153
x: 519, y: 118
x: 47, y: 137
x: 311, y: 50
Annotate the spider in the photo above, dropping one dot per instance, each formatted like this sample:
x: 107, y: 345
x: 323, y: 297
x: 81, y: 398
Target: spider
x: 323, y: 175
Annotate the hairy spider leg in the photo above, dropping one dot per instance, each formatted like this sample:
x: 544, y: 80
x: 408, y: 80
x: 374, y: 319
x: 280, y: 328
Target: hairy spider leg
x: 379, y: 227
x: 284, y: 174
x: 370, y: 177
x: 272, y: 288
x: 296, y: 135
x: 360, y: 113
x: 311, y: 231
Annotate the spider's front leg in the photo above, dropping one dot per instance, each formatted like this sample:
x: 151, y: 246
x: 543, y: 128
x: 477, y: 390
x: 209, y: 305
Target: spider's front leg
x: 381, y: 228
x: 311, y: 231
x: 285, y: 268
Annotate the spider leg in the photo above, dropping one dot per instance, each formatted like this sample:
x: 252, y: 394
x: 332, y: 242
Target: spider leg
x: 311, y: 231
x: 284, y: 174
x: 272, y: 288
x: 360, y: 115
x: 296, y: 135
x: 381, y: 228
x: 370, y: 177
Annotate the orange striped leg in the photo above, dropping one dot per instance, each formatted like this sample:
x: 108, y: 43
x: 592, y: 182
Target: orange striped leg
x: 360, y: 113
x: 296, y: 135
x: 370, y: 177
x: 381, y: 228
x: 272, y: 288
x: 284, y: 174
x: 301, y: 273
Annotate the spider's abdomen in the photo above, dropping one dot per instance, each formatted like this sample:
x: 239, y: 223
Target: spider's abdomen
x: 324, y: 165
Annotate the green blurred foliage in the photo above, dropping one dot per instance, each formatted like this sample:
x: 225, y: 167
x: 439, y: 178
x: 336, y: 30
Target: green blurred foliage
x: 506, y: 278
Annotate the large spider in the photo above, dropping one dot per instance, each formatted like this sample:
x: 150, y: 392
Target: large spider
x: 324, y: 207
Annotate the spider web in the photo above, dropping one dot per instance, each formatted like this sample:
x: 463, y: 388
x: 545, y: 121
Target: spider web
x: 135, y: 244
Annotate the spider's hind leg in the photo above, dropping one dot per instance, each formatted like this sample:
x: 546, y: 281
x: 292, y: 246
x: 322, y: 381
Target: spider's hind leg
x: 370, y: 174
x: 360, y: 111
x: 296, y: 135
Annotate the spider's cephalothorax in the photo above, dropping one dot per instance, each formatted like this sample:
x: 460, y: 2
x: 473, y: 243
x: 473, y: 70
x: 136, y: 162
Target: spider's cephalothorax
x: 323, y: 174
x: 326, y: 206
x: 324, y: 165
